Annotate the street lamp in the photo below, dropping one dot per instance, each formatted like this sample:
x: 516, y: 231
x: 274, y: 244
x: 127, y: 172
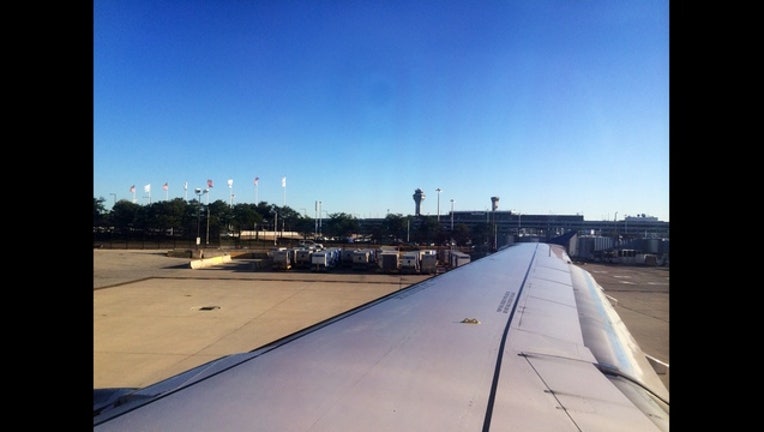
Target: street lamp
x: 519, y: 220
x: 115, y: 197
x: 438, y: 191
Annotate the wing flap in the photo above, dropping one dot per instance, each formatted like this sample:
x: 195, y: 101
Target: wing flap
x: 554, y: 393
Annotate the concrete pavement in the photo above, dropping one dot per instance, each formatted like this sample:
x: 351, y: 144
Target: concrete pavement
x: 154, y: 316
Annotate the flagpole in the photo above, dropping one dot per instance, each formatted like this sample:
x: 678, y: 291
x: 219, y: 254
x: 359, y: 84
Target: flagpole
x: 207, y: 242
x: 209, y: 188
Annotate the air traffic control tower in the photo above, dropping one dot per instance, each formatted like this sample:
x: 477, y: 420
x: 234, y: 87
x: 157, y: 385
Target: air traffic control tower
x: 418, y: 198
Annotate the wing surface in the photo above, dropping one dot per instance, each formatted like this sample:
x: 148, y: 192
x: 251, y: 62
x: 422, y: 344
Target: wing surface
x: 497, y: 344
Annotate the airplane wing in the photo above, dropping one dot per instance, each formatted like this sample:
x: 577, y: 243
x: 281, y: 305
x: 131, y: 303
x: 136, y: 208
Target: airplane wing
x: 519, y: 340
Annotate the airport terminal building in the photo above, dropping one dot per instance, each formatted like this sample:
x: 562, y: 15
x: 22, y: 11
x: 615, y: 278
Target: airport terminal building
x: 584, y: 239
x: 549, y: 226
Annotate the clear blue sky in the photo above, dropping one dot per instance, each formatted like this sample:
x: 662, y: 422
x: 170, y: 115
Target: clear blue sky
x: 556, y: 107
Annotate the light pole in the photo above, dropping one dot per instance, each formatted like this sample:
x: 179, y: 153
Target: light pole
x: 494, y: 206
x: 321, y: 222
x: 320, y: 219
x: 438, y: 191
x: 275, y: 225
x: 452, y: 214
x: 315, y: 222
x: 115, y: 197
x: 519, y: 221
x: 198, y: 192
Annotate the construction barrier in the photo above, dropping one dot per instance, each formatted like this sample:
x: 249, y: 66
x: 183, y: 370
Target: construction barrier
x: 207, y: 262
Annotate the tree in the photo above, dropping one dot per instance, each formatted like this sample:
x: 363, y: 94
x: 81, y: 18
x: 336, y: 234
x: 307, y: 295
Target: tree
x: 288, y: 218
x: 264, y: 210
x: 124, y: 216
x: 99, y: 211
x: 482, y: 233
x: 305, y: 226
x: 245, y: 217
x: 395, y: 227
x: 376, y: 232
x: 427, y: 229
x: 192, y: 217
x: 461, y: 234
x: 341, y: 225
x: 219, y: 215
x: 167, y: 217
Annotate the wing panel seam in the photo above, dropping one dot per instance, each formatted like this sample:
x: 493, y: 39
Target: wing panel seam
x: 500, y: 356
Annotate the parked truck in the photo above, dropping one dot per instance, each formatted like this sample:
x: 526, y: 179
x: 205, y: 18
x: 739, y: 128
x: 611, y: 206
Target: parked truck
x: 429, y: 262
x: 388, y: 261
x: 363, y: 259
x: 283, y: 258
x: 410, y: 262
x: 325, y: 259
x: 302, y: 257
x: 459, y: 258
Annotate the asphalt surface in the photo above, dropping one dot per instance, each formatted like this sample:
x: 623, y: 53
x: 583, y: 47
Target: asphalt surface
x: 154, y: 316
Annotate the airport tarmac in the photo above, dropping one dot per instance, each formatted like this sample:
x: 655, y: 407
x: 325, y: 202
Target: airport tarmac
x: 154, y: 316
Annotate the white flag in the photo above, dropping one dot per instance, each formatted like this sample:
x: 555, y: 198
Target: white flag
x: 147, y: 188
x: 283, y: 182
x: 230, y: 183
